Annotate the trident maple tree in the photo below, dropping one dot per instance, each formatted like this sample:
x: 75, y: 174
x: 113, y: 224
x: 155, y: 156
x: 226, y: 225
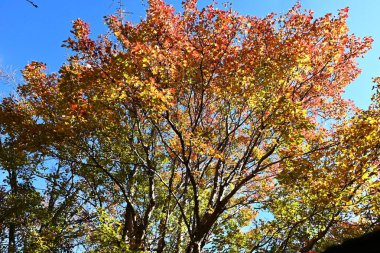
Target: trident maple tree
x: 194, y: 131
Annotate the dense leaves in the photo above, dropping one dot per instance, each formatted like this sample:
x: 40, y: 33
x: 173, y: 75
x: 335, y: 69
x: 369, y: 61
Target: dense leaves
x: 198, y: 131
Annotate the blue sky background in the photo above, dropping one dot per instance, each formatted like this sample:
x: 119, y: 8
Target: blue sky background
x: 28, y: 33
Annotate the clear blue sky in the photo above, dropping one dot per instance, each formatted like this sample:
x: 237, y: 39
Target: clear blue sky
x: 29, y: 33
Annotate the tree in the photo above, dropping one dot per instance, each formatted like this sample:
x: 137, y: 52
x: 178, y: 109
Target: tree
x: 367, y: 243
x: 7, y: 75
x: 179, y: 133
x: 32, y: 3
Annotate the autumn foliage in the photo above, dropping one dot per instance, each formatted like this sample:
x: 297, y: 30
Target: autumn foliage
x: 194, y: 131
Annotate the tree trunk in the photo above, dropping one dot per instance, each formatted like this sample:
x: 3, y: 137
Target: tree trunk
x: 12, y: 238
x: 193, y: 247
x: 12, y: 225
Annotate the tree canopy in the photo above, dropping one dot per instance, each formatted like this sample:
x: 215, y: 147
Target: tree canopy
x: 194, y: 131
